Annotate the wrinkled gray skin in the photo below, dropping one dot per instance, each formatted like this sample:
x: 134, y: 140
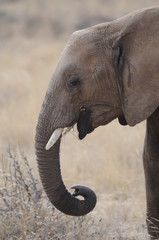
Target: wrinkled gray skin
x: 112, y: 70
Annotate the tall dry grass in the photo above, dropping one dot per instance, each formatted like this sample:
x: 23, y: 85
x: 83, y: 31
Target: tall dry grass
x: 25, y: 212
x: 33, y: 34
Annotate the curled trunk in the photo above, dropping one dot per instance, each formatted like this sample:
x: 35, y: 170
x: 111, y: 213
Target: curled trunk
x: 50, y: 174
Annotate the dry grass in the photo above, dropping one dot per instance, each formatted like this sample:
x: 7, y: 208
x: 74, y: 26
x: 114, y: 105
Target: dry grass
x: 25, y: 212
x: 33, y: 34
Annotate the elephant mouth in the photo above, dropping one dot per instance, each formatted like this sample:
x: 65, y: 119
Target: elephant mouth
x: 122, y: 120
x: 84, y: 125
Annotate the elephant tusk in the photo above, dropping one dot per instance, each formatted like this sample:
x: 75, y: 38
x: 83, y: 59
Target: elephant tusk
x: 54, y: 137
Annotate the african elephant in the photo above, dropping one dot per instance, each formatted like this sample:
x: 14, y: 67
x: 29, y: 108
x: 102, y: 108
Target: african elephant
x: 107, y: 71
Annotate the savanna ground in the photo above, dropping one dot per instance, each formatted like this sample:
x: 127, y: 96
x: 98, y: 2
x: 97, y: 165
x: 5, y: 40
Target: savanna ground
x: 32, y: 36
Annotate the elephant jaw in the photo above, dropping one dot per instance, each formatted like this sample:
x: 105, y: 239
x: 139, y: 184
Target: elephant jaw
x: 84, y: 127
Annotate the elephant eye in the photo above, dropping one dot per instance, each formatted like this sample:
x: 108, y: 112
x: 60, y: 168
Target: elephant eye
x: 74, y: 82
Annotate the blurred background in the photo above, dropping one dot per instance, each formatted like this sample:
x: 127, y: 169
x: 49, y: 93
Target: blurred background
x: 33, y: 34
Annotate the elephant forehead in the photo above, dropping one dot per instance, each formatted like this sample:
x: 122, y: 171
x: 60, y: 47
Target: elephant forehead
x: 82, y: 40
x: 77, y: 57
x: 84, y: 35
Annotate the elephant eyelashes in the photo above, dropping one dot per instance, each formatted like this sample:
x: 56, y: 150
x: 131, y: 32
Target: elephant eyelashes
x: 74, y: 82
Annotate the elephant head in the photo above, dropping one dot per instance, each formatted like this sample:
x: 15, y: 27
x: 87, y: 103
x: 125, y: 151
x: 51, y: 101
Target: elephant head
x: 104, y: 73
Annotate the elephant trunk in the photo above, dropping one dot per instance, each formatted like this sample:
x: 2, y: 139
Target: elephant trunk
x: 50, y: 174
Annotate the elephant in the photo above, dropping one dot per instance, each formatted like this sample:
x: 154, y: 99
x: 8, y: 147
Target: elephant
x: 107, y: 71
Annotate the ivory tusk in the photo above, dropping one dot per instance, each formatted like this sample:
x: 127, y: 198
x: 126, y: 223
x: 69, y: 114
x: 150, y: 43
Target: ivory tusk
x: 54, y: 137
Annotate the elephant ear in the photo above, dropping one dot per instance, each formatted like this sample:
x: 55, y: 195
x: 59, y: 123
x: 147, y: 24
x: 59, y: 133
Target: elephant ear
x: 137, y: 52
